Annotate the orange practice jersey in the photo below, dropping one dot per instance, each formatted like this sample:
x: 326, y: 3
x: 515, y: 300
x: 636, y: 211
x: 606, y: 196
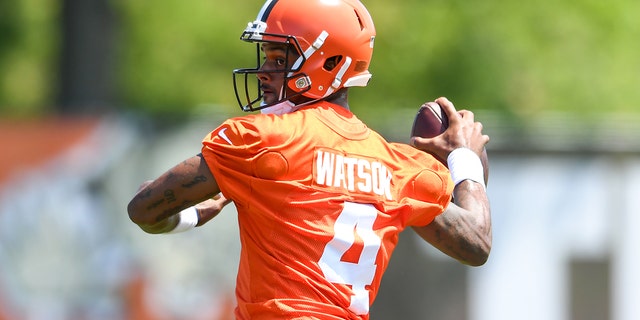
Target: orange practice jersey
x: 321, y: 200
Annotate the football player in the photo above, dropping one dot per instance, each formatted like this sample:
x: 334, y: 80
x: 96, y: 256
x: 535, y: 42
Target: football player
x: 320, y: 197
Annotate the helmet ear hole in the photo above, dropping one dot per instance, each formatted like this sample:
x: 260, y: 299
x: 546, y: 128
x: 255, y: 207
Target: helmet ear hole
x: 332, y: 62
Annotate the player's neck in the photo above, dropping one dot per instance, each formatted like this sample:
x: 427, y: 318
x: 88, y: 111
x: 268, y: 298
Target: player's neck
x: 340, y: 97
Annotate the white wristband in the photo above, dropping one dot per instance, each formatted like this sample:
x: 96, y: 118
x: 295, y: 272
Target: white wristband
x: 464, y: 164
x: 188, y: 220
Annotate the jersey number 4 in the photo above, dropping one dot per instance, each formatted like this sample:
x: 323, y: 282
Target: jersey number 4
x: 354, y: 218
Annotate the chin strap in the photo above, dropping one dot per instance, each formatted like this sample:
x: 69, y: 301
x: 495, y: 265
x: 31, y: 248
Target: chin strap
x: 280, y: 108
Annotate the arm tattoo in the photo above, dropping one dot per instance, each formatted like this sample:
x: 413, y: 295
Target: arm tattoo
x: 169, y: 195
x: 155, y: 204
x: 195, y: 181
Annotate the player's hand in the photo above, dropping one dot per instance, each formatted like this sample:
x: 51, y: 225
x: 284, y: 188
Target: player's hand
x: 463, y: 131
x: 210, y: 208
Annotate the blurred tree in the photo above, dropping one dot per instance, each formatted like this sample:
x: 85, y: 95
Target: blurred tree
x: 176, y: 55
x: 9, y: 29
x: 86, y: 57
x: 28, y: 39
x: 168, y: 57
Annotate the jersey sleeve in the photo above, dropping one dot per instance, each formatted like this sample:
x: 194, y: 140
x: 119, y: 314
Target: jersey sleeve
x: 228, y: 151
x: 428, y: 191
x: 431, y: 197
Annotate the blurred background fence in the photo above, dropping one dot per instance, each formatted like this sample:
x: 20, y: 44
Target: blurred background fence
x: 97, y: 96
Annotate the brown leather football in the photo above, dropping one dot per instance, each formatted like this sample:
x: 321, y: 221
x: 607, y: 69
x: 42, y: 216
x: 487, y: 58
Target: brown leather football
x: 431, y: 121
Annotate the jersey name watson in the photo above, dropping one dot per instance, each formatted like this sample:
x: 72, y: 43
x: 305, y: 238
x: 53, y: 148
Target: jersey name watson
x: 351, y: 173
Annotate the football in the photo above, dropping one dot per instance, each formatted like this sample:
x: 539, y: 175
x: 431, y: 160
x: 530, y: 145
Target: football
x: 431, y: 121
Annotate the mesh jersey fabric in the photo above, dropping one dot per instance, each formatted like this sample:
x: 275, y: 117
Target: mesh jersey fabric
x: 321, y: 200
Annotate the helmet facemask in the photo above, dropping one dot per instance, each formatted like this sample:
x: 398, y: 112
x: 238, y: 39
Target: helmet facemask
x: 246, y: 81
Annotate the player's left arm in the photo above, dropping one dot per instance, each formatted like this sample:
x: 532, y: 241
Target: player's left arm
x: 159, y: 204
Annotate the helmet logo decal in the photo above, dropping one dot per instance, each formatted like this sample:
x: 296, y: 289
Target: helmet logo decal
x: 303, y: 82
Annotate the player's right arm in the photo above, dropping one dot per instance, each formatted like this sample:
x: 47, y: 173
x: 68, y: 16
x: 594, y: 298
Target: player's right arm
x: 156, y: 206
x: 463, y: 230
